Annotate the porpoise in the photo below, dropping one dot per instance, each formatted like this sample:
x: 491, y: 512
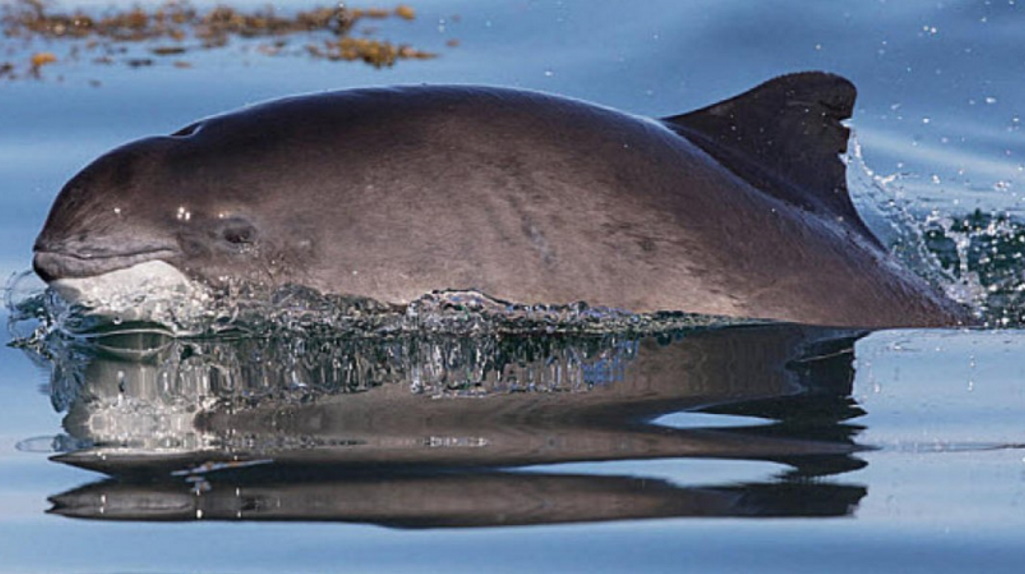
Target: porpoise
x: 738, y: 209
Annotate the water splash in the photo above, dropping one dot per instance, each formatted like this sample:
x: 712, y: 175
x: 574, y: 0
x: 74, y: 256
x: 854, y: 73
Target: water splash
x: 253, y: 310
x: 888, y: 212
x: 148, y: 392
x: 976, y: 258
x: 986, y: 253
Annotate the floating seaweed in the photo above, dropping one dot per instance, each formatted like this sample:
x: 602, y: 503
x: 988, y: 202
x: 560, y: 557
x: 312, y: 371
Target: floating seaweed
x: 176, y: 27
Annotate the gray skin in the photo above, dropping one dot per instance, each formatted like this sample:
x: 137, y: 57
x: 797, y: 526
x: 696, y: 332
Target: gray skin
x: 738, y: 209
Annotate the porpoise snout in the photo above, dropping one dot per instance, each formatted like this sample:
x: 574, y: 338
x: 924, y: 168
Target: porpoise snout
x: 45, y: 266
x: 53, y: 265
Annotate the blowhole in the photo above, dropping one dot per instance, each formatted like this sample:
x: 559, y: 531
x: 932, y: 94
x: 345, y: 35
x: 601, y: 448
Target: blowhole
x: 187, y: 130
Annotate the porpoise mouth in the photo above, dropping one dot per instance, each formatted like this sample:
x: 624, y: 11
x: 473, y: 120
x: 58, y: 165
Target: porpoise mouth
x: 54, y: 265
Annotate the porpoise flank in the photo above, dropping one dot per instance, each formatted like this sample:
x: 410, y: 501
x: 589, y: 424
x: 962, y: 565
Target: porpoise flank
x: 737, y: 209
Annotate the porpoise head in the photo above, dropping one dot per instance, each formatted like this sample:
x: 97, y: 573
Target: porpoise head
x: 154, y: 200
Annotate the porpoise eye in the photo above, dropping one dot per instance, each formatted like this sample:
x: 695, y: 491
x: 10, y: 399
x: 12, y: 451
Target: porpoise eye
x: 238, y: 231
x: 237, y: 235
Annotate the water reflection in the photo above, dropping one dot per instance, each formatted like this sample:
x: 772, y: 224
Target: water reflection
x: 435, y: 430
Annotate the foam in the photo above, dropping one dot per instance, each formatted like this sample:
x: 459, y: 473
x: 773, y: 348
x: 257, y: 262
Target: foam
x: 152, y: 291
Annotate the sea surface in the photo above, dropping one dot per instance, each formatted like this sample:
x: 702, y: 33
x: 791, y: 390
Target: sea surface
x: 749, y: 448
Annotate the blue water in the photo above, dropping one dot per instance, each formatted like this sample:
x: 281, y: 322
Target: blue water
x: 941, y: 102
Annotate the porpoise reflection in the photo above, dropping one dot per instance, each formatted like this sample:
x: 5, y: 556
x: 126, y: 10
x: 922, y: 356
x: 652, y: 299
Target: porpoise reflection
x: 738, y: 209
x: 443, y: 431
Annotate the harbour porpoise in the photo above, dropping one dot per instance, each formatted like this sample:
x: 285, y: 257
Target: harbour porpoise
x: 738, y: 209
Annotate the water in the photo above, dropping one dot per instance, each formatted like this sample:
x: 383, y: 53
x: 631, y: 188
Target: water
x: 752, y: 448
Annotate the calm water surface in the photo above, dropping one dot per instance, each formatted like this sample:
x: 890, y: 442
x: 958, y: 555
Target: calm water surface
x: 812, y: 450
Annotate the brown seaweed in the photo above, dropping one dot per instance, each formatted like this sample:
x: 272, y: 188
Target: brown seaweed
x: 176, y: 28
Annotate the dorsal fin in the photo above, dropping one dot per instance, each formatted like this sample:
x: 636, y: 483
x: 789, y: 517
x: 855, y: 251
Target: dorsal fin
x: 784, y: 137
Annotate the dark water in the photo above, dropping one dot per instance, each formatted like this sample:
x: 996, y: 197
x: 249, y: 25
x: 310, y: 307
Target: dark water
x: 748, y: 448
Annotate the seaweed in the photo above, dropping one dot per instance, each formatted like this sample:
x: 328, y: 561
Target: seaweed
x: 176, y: 28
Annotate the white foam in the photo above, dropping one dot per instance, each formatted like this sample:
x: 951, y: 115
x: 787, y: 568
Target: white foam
x: 151, y: 291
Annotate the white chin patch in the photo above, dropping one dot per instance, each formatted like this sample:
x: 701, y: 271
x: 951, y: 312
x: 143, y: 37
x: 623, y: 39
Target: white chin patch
x: 151, y: 291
